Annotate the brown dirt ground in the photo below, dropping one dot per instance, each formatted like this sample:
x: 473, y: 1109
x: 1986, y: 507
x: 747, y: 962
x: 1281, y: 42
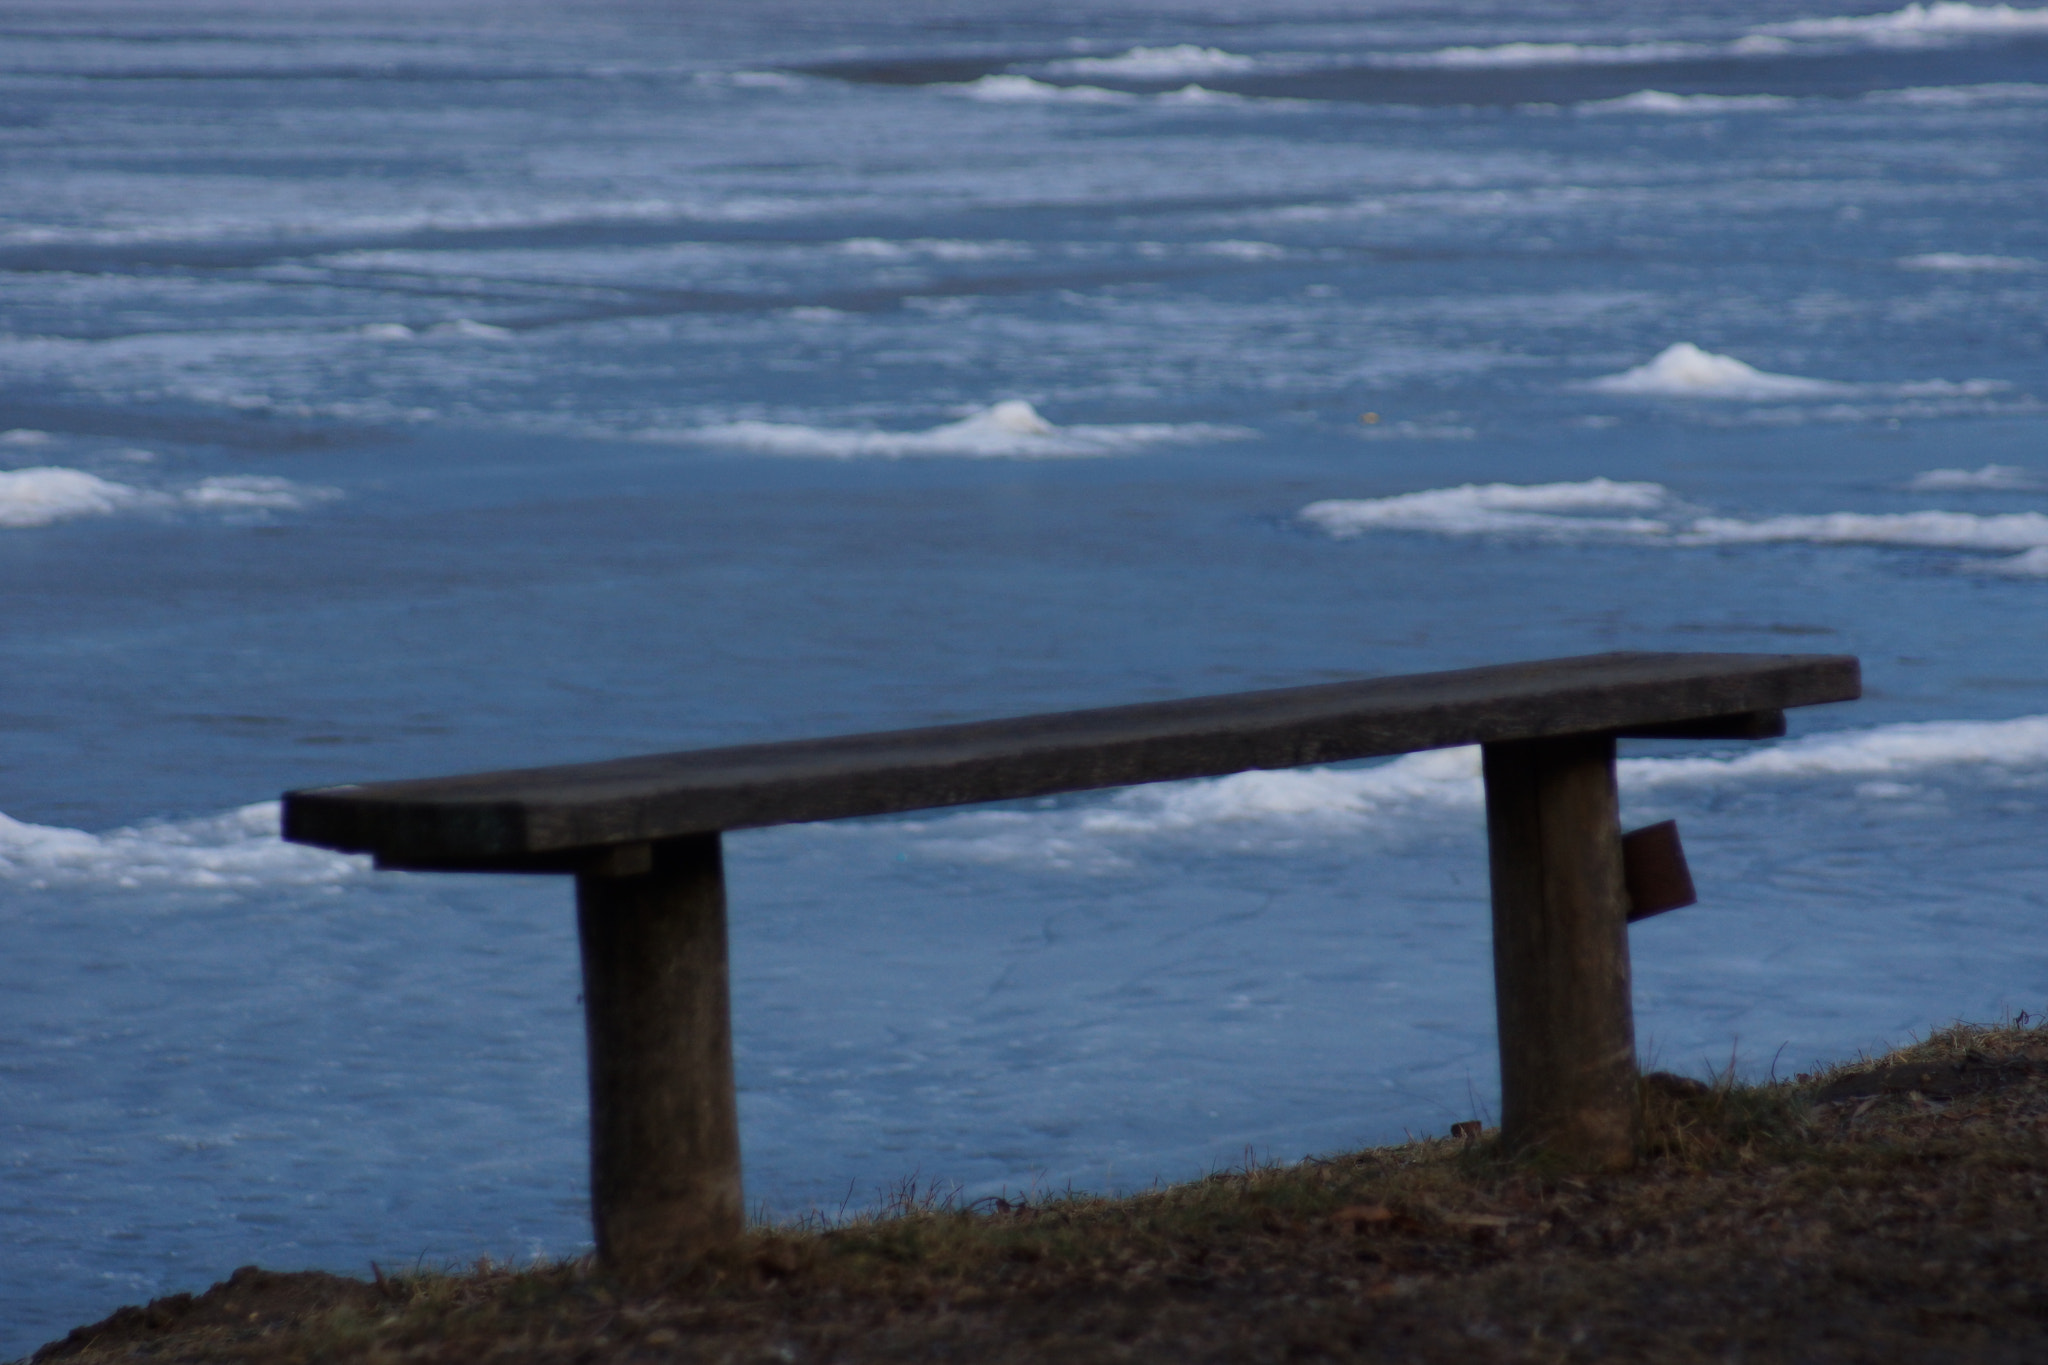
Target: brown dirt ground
x: 1892, y: 1210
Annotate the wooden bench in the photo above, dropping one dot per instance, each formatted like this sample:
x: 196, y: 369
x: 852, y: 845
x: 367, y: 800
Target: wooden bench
x: 641, y: 837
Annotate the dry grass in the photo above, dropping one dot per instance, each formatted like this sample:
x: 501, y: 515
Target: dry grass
x: 1891, y: 1210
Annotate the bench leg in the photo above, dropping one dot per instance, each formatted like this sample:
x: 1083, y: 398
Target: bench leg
x: 1560, y: 952
x: 664, y: 1124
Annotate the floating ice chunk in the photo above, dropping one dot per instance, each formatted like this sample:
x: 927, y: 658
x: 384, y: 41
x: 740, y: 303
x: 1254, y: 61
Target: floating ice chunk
x: 1558, y: 510
x: 936, y: 248
x: 1991, y: 476
x: 25, y: 436
x: 1937, y: 530
x: 1245, y: 251
x: 1481, y: 509
x: 254, y: 492
x: 1963, y: 96
x: 386, y: 331
x: 37, y: 497
x: 1197, y: 94
x: 1663, y: 102
x: 1158, y: 63
x: 1025, y: 90
x: 477, y: 331
x: 1011, y: 415
x: 763, y: 80
x: 2032, y: 564
x: 1686, y: 371
x: 1295, y: 802
x: 1957, y: 261
x: 1912, y: 747
x: 1550, y: 54
x: 1012, y: 429
x: 240, y: 848
x: 1945, y: 16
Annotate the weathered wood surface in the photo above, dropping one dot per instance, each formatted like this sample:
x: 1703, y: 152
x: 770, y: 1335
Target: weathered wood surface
x: 1560, y: 952
x: 664, y: 1121
x: 552, y: 819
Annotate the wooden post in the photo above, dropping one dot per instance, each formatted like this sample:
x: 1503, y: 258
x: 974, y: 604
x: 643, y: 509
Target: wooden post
x: 664, y: 1123
x: 1560, y: 952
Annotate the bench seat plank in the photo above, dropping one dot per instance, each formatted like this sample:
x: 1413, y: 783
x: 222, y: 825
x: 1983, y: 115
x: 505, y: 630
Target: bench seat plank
x: 542, y: 818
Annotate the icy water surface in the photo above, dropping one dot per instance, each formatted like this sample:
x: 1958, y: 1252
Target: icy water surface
x: 388, y: 391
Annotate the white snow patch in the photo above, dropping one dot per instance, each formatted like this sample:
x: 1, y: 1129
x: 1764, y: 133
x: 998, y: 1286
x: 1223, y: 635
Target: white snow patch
x: 1550, y: 54
x: 1199, y: 94
x: 40, y: 496
x: 1962, y: 96
x: 1943, y: 17
x: 1245, y: 251
x: 934, y: 248
x: 1494, y: 508
x: 2032, y: 564
x: 763, y: 80
x: 1958, y: 261
x: 1991, y: 476
x: 1574, y: 510
x: 1686, y: 371
x: 1010, y: 429
x: 1301, y: 800
x: 475, y: 331
x: 1025, y: 90
x: 254, y: 492
x: 1932, y: 530
x: 1664, y: 102
x: 237, y: 849
x: 1158, y: 63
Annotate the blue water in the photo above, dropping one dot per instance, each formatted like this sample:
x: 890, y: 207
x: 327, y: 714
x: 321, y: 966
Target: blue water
x: 393, y: 391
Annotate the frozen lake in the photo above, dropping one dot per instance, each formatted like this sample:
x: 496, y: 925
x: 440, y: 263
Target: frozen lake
x: 392, y: 391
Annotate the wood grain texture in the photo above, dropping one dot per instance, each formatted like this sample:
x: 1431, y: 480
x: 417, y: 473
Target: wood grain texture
x: 1560, y: 952
x: 548, y: 819
x: 664, y: 1124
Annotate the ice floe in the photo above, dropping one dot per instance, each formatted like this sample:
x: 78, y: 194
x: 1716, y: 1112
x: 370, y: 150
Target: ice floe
x: 237, y: 849
x: 40, y: 496
x: 1664, y: 102
x: 1157, y: 63
x: 241, y: 849
x: 48, y: 494
x: 1587, y: 510
x: 1551, y: 54
x: 255, y: 492
x: 1494, y: 508
x: 1298, y: 801
x: 1960, y: 262
x: 1993, y: 477
x: 1685, y: 371
x: 1011, y: 429
x: 1006, y: 89
x: 1942, y: 17
x: 1962, y: 96
x: 935, y: 248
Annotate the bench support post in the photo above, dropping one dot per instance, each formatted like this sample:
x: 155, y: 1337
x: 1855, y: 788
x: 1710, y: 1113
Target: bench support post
x: 1560, y: 952
x: 664, y: 1123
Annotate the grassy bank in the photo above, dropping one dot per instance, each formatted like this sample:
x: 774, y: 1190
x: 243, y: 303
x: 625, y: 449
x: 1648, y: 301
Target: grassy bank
x: 1890, y: 1210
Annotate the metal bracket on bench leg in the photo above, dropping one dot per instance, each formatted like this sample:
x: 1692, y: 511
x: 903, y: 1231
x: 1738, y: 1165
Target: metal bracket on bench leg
x: 1653, y: 868
x: 664, y: 1123
x: 1560, y: 951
